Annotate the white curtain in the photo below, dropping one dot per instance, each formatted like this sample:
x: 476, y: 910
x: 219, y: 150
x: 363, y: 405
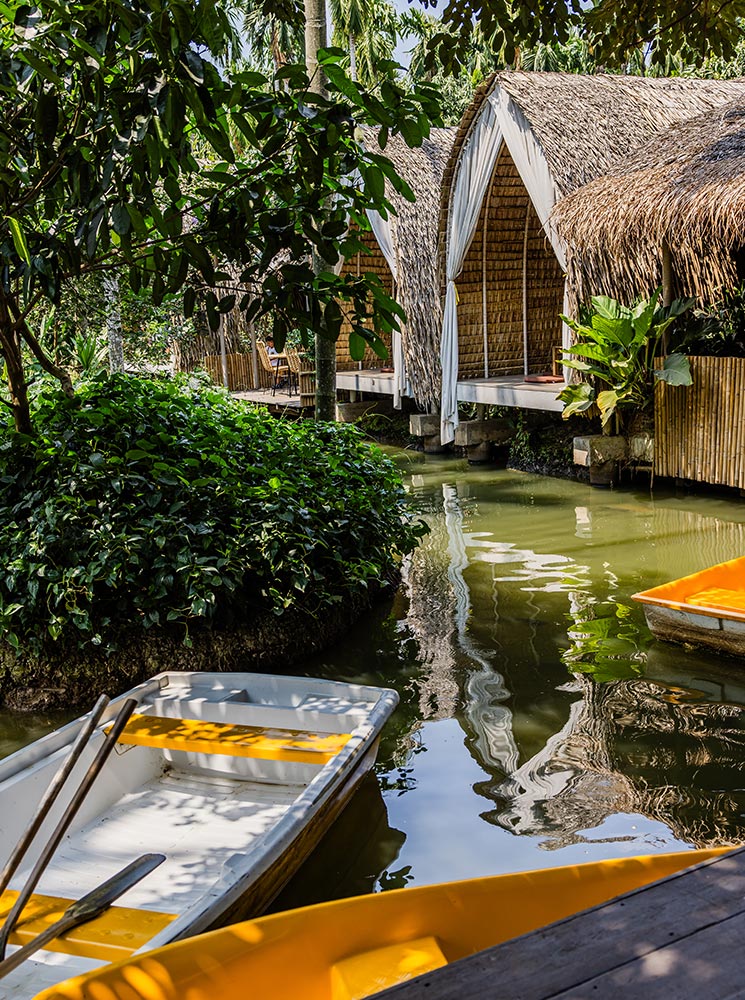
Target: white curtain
x: 383, y: 233
x: 530, y: 161
x: 473, y: 173
x: 531, y: 164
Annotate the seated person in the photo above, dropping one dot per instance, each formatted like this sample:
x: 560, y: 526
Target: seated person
x: 272, y: 351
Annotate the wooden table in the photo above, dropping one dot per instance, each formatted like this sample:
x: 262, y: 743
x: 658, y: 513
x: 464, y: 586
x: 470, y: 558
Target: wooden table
x: 679, y: 939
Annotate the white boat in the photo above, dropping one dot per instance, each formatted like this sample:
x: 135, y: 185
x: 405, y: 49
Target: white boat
x: 234, y: 777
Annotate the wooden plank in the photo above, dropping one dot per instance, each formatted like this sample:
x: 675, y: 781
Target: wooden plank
x: 633, y: 938
x: 198, y: 736
x: 702, y: 965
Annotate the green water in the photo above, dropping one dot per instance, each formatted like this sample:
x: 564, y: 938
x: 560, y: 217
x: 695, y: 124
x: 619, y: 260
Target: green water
x: 539, y: 725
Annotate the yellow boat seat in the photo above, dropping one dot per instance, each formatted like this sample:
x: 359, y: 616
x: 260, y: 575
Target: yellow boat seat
x: 369, y: 972
x: 719, y: 597
x: 197, y: 736
x: 115, y: 935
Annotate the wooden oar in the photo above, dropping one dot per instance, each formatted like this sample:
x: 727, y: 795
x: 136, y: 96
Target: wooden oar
x: 108, y: 744
x: 55, y: 787
x: 88, y: 908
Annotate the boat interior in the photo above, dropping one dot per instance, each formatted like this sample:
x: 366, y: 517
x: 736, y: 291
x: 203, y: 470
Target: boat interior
x: 208, y: 776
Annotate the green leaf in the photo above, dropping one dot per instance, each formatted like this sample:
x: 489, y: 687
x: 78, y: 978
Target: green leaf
x: 356, y: 346
x: 607, y: 402
x: 676, y: 370
x: 19, y: 239
x: 577, y: 398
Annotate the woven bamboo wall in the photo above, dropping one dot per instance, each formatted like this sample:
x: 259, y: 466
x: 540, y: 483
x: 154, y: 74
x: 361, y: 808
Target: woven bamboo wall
x: 372, y: 262
x: 506, y: 211
x: 545, y: 298
x: 700, y: 429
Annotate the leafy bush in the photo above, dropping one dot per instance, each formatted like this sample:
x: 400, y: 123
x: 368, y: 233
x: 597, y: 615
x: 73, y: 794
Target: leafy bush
x: 717, y: 329
x: 615, y: 355
x: 150, y: 503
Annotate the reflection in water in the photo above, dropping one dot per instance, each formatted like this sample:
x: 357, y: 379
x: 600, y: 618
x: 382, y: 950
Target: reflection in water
x: 624, y: 745
x: 359, y: 852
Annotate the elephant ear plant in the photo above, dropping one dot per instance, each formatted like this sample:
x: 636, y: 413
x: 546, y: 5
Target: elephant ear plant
x: 615, y: 355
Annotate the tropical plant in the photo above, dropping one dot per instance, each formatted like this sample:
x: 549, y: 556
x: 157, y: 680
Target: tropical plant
x: 705, y: 31
x: 615, y: 355
x: 89, y: 353
x: 270, y: 40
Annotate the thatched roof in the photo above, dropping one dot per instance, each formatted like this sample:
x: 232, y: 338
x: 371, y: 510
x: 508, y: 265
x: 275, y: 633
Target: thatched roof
x: 685, y: 187
x: 414, y: 229
x: 585, y: 125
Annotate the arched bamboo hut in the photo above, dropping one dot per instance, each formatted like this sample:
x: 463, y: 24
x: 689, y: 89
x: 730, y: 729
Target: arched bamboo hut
x: 402, y: 252
x: 526, y: 141
x: 673, y: 213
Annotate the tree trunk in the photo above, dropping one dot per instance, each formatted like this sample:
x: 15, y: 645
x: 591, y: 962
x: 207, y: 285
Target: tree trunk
x: 11, y: 349
x: 113, y: 321
x: 315, y: 39
x: 10, y: 346
x: 353, y: 57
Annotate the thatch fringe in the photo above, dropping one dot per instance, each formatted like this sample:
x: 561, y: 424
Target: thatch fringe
x: 686, y: 188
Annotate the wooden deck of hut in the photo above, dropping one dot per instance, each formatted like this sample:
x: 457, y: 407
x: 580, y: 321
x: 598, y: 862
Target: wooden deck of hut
x: 679, y: 938
x: 527, y: 141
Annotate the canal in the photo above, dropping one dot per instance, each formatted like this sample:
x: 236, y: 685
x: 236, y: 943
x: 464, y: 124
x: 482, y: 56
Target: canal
x: 539, y: 724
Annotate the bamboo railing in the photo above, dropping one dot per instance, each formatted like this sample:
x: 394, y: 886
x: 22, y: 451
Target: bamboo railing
x: 700, y: 429
x: 240, y: 371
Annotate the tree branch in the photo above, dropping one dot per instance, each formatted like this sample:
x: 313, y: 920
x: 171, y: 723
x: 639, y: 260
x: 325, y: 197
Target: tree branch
x: 39, y: 353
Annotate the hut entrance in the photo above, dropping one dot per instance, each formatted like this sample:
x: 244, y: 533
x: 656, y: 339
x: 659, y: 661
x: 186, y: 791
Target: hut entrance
x: 511, y: 287
x: 372, y: 262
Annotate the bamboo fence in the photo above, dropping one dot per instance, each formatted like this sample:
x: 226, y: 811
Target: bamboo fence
x: 700, y: 429
x: 240, y: 371
x: 240, y: 376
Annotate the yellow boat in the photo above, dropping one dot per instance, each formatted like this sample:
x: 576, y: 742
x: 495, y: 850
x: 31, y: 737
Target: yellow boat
x: 356, y: 947
x: 704, y: 609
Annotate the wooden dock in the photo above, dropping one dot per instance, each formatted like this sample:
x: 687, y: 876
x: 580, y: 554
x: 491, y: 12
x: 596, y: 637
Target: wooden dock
x: 679, y: 939
x: 278, y: 402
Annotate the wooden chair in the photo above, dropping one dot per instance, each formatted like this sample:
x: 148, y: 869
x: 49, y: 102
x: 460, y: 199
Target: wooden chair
x: 277, y: 371
x: 294, y: 361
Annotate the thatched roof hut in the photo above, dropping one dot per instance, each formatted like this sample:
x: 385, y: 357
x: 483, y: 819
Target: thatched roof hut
x: 682, y: 193
x: 526, y: 141
x: 402, y: 251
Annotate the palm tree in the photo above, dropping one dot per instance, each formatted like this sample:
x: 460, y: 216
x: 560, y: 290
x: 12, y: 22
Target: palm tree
x: 368, y: 29
x: 271, y: 41
x: 377, y: 42
x: 350, y: 19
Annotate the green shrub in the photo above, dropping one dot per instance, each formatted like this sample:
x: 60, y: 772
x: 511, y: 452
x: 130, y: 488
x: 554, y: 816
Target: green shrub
x: 717, y: 329
x: 151, y: 503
